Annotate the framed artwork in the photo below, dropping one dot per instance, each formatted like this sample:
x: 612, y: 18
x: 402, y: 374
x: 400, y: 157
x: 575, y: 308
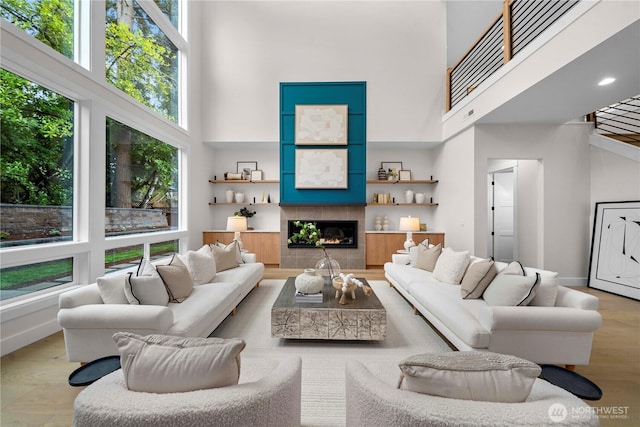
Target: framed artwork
x: 615, y: 248
x: 326, y: 168
x: 404, y: 175
x: 245, y: 168
x: 321, y: 124
x: 256, y: 175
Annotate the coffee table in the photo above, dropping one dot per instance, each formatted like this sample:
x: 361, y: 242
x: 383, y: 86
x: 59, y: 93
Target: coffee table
x: 361, y: 319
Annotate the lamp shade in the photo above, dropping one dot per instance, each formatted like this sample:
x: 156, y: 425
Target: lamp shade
x: 236, y: 223
x: 408, y: 223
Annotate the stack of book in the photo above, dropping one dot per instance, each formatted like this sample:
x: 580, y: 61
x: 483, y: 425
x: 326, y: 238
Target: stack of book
x: 309, y: 298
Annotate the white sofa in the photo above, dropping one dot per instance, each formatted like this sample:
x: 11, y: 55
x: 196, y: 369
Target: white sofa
x: 89, y: 324
x: 268, y: 394
x: 559, y: 334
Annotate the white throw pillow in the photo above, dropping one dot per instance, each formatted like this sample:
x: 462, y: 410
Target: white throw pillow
x: 201, y: 265
x: 548, y: 291
x: 111, y: 289
x: 514, y: 268
x: 167, y: 364
x: 469, y: 375
x: 146, y: 290
x: 451, y: 266
x: 511, y: 290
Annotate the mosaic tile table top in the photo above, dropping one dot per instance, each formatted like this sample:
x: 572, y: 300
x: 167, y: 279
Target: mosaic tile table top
x: 361, y: 319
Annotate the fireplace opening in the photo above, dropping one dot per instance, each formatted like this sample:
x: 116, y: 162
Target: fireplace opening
x: 336, y: 234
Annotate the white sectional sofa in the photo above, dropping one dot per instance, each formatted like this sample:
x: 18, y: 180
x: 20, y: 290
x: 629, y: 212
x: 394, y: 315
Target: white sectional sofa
x: 89, y: 324
x: 554, y: 329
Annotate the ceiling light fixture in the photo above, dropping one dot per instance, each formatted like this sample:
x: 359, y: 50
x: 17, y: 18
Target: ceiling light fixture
x: 606, y: 81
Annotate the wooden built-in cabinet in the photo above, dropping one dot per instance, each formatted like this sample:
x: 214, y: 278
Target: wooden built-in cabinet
x: 381, y: 245
x: 265, y: 244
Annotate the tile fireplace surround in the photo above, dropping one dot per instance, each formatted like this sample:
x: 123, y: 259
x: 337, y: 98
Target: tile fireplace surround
x: 353, y: 258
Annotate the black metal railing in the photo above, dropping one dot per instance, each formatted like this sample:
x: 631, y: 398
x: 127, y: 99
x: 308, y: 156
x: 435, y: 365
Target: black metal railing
x: 520, y: 22
x: 620, y: 121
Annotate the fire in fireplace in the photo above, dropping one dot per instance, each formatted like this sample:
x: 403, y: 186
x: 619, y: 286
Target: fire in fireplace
x: 337, y: 234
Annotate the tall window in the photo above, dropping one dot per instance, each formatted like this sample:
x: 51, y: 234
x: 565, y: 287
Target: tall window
x: 140, y: 59
x: 25, y: 279
x: 50, y: 21
x: 142, y: 182
x: 36, y: 166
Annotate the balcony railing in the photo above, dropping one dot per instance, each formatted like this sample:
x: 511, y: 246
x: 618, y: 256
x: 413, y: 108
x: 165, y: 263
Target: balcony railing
x: 519, y: 23
x: 619, y: 121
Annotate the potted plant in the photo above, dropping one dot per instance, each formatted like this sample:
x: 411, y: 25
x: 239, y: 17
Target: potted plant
x: 311, y: 234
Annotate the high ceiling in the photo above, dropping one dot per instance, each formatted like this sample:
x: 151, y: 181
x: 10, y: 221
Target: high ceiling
x: 567, y: 94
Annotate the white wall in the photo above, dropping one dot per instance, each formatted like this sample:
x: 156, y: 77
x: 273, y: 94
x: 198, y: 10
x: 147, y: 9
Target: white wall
x: 398, y: 48
x: 614, y: 178
x: 454, y: 167
x: 563, y: 152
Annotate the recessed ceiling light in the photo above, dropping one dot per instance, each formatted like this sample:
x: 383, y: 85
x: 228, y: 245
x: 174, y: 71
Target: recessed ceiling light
x: 606, y: 81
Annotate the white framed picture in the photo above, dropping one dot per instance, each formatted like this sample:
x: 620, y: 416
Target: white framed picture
x: 323, y: 168
x: 321, y: 124
x: 615, y: 248
x: 256, y: 175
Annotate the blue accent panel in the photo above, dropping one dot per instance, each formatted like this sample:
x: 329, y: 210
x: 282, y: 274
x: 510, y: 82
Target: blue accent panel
x: 354, y: 94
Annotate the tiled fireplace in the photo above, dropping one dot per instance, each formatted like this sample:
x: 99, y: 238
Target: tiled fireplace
x: 349, y: 252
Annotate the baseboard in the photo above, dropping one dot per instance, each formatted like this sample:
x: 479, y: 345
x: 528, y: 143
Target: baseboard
x: 572, y: 281
x: 28, y: 336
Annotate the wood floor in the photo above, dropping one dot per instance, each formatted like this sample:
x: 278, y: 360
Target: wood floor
x: 34, y: 389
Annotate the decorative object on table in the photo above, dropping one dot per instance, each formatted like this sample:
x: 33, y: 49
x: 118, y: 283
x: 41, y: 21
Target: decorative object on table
x: 321, y: 124
x: 408, y: 196
x: 321, y: 168
x: 230, y: 176
x: 256, y: 175
x: 347, y: 283
x: 317, y: 298
x: 571, y: 381
x: 615, y: 248
x: 420, y: 197
x: 404, y: 174
x: 423, y: 226
x: 378, y: 224
x: 309, y: 282
x: 245, y: 212
x: 229, y: 194
x: 239, y: 197
x: 385, y: 223
x: 245, y: 167
x: 391, y: 169
x: 382, y: 174
x: 409, y: 224
x: 237, y: 224
x: 311, y: 234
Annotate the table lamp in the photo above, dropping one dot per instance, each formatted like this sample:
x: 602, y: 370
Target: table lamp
x: 237, y: 224
x: 409, y: 225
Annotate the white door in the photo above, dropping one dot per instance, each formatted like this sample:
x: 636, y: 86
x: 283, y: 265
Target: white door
x: 502, y: 239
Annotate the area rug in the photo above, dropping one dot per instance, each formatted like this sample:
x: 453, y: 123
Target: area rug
x: 323, y: 362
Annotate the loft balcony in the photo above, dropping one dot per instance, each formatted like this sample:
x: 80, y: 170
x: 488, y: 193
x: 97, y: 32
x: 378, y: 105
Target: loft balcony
x: 540, y: 62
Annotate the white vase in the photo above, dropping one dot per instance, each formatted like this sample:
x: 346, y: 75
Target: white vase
x: 408, y: 196
x: 239, y: 197
x: 309, y: 282
x: 420, y: 197
x: 229, y: 195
